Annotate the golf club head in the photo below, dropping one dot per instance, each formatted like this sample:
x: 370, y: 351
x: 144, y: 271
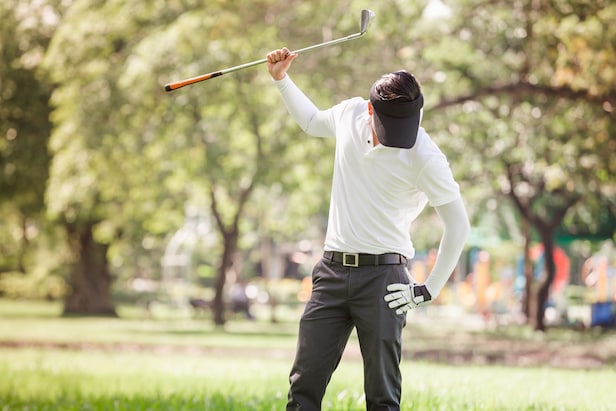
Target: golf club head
x: 366, y: 17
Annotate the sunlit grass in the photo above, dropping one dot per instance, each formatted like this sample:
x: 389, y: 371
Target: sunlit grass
x: 41, y: 322
x: 142, y: 363
x: 34, y: 379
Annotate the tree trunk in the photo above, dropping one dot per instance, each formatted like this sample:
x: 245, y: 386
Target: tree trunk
x: 543, y: 291
x: 218, y: 305
x: 25, y: 242
x: 90, y: 280
x: 527, y: 299
x: 555, y: 204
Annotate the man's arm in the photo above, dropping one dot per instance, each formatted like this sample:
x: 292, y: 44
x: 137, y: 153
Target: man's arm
x: 455, y: 232
x: 404, y: 297
x: 312, y: 120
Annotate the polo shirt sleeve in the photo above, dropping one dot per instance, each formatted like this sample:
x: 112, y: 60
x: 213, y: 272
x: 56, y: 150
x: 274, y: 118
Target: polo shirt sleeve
x: 437, y: 182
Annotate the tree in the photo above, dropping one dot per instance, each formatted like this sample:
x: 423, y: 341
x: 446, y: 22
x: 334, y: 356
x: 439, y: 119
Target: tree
x: 128, y: 157
x: 534, y: 103
x: 99, y: 189
x: 24, y: 123
x: 236, y: 145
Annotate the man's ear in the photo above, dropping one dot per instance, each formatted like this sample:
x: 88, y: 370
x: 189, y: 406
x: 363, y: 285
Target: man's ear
x: 370, y: 109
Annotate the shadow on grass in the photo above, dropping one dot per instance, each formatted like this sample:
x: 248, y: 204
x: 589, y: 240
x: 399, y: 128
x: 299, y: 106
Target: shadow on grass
x: 237, y: 329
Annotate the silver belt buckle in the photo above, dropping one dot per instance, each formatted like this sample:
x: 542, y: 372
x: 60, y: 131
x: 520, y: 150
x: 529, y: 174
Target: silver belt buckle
x: 355, y: 259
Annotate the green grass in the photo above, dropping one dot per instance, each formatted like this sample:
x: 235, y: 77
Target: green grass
x: 66, y: 380
x: 133, y: 363
x: 41, y: 322
x: 35, y: 379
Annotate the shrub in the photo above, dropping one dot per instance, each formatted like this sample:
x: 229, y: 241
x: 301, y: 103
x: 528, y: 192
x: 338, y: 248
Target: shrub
x: 34, y: 285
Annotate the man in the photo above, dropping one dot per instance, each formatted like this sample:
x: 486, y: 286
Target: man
x: 386, y: 169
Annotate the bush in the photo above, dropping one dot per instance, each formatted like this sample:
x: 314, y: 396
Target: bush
x: 35, y: 285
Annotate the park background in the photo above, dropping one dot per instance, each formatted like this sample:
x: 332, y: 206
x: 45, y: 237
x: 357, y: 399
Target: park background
x: 183, y: 226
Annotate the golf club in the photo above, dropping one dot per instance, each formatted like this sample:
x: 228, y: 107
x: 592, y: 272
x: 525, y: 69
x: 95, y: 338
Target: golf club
x: 366, y: 17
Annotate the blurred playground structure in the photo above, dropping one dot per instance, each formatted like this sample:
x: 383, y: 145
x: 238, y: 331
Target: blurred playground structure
x: 584, y: 295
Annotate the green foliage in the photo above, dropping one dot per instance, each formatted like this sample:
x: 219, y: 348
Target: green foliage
x: 524, y: 105
x: 24, y: 126
x: 32, y: 286
x: 24, y: 108
x: 528, y: 84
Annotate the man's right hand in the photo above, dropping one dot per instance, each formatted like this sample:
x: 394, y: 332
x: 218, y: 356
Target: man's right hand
x: 279, y: 61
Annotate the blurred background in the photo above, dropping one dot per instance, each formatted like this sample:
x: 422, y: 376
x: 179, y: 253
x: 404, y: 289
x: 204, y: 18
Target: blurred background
x: 209, y: 201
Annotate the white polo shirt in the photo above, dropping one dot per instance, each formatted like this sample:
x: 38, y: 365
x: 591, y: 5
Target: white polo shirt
x: 377, y: 192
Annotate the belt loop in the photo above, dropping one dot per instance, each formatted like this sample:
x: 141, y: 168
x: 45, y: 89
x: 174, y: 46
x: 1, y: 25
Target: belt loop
x: 376, y: 260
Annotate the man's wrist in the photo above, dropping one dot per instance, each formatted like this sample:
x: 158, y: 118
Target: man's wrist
x: 421, y: 294
x: 279, y: 78
x: 433, y: 284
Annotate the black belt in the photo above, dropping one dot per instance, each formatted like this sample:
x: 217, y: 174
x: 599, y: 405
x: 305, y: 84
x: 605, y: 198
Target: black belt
x: 358, y: 259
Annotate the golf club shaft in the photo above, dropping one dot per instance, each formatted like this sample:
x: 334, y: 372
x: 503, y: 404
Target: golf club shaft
x: 178, y: 84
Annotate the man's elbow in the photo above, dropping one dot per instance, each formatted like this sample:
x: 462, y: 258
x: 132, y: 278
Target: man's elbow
x: 462, y: 226
x: 456, y: 221
x: 465, y: 229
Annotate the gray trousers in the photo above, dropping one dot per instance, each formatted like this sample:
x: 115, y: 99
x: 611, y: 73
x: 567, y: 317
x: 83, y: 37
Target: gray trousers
x: 343, y: 298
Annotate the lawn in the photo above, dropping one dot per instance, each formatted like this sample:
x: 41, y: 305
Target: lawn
x: 51, y: 363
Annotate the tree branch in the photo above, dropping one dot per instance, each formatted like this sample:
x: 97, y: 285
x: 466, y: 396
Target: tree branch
x: 558, y: 216
x: 526, y: 88
x: 215, y: 211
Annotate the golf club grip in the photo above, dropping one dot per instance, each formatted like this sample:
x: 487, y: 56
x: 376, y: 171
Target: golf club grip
x: 179, y: 84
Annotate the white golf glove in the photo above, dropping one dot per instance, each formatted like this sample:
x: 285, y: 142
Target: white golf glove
x: 404, y: 297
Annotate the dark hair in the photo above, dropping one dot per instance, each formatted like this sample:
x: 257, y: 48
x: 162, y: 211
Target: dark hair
x: 400, y: 85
